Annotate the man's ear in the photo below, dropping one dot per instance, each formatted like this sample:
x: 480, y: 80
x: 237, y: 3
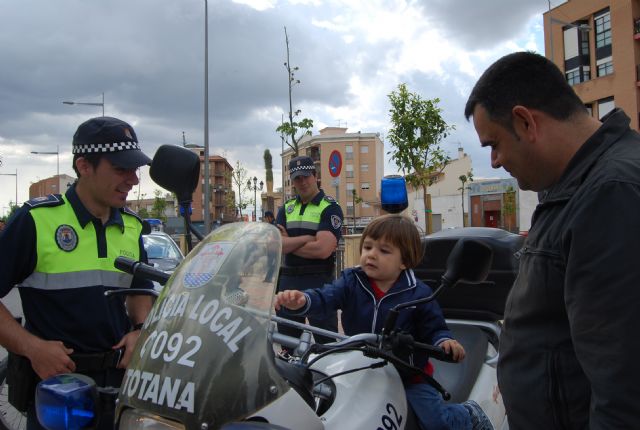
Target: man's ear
x: 524, y: 122
x: 83, y: 166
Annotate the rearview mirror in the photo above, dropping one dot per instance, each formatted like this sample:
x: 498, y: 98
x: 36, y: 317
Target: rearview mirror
x: 176, y: 169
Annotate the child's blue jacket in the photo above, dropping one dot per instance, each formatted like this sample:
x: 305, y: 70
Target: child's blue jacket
x: 362, y: 313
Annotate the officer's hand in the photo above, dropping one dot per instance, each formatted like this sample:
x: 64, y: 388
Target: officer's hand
x: 128, y: 342
x: 50, y: 357
x: 283, y: 231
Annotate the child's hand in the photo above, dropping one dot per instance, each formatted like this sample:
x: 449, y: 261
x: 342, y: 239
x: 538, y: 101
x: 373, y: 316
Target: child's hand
x: 454, y: 348
x: 290, y: 299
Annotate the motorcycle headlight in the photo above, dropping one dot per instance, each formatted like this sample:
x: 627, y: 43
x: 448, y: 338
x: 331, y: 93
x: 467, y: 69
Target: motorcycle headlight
x: 133, y: 419
x: 66, y: 401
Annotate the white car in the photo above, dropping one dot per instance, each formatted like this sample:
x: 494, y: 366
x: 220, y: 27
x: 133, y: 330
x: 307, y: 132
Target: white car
x: 162, y: 252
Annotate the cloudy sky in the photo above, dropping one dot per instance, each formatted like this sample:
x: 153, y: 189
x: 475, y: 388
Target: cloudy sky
x: 147, y: 57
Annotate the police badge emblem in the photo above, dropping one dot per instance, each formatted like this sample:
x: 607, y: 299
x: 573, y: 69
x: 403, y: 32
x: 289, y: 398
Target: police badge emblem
x: 66, y: 238
x: 290, y: 208
x: 336, y: 222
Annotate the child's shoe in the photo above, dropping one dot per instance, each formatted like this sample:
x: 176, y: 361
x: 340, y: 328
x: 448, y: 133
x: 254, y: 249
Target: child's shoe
x: 479, y: 420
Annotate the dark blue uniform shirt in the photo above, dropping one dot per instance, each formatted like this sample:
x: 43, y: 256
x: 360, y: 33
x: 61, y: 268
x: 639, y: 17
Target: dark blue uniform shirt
x: 82, y: 318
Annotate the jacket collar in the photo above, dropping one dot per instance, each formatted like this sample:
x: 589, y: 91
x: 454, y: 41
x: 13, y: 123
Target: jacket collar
x: 84, y: 216
x: 614, y: 125
x: 406, y: 280
x: 315, y: 200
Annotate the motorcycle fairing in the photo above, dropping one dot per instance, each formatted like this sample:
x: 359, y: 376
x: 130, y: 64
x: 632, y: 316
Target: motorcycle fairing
x: 203, y: 355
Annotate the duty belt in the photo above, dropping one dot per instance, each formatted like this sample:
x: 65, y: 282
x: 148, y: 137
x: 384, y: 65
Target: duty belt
x: 306, y: 270
x: 97, y: 361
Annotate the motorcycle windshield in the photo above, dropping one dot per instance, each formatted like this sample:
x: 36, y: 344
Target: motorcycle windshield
x: 203, y: 354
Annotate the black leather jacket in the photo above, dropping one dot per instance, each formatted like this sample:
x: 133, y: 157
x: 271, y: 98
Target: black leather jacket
x: 569, y: 351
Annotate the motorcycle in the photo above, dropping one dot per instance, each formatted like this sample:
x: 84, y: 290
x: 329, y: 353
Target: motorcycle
x: 207, y: 356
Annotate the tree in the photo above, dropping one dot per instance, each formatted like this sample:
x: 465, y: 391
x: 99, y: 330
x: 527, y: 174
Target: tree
x: 268, y: 166
x: 508, y: 206
x: 356, y: 200
x: 238, y: 177
x: 143, y: 213
x: 416, y: 132
x: 159, y: 206
x: 292, y: 127
x: 464, y: 179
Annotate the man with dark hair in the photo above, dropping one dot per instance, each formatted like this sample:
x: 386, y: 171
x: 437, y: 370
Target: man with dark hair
x: 311, y: 225
x: 565, y: 361
x: 60, y: 250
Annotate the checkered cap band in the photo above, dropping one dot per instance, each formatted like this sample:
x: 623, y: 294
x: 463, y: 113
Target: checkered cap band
x: 295, y: 169
x: 104, y: 147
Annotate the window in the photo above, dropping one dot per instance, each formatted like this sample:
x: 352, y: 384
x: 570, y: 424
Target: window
x: 602, y: 23
x: 605, y: 106
x: 605, y: 66
x: 576, y: 52
x: 349, y: 169
x: 589, y: 108
x: 364, y: 205
x: 580, y: 74
x: 364, y: 149
x: 365, y: 186
x: 348, y: 152
x: 364, y: 167
x: 350, y: 186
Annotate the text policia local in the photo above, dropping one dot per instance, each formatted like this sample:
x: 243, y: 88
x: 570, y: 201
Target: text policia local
x: 175, y: 348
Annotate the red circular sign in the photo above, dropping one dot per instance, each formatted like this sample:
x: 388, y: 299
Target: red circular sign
x: 335, y: 163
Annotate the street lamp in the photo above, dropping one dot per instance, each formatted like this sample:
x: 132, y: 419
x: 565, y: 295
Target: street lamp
x: 57, y: 154
x: 86, y: 104
x: 255, y: 192
x: 207, y: 192
x: 16, y: 175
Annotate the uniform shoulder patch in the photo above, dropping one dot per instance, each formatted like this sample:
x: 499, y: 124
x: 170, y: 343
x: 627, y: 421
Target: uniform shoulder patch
x: 330, y: 199
x: 126, y: 210
x: 336, y: 222
x: 44, y: 201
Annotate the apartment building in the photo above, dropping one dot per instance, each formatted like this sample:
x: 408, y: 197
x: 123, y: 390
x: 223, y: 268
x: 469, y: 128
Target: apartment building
x: 221, y: 189
x: 56, y: 184
x: 596, y: 43
x: 349, y: 167
x: 446, y: 196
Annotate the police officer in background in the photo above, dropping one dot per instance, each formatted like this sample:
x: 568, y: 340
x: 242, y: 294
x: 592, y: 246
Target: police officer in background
x: 310, y: 225
x: 59, y: 250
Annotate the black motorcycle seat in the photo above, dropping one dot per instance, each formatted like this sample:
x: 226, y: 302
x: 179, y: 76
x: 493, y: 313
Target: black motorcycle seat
x: 459, y: 378
x: 299, y: 378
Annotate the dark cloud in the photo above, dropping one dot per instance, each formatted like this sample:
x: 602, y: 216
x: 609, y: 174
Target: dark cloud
x: 475, y: 25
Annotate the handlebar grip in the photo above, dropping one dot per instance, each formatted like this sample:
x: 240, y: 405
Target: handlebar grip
x: 137, y: 268
x: 435, y: 352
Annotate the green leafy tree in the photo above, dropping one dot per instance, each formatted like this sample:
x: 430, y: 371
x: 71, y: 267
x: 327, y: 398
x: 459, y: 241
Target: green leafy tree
x: 294, y: 130
x: 143, y: 213
x: 464, y: 179
x: 238, y: 178
x: 159, y: 206
x: 416, y: 132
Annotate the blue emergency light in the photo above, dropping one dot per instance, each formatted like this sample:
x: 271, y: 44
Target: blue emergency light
x: 66, y: 402
x: 393, y: 194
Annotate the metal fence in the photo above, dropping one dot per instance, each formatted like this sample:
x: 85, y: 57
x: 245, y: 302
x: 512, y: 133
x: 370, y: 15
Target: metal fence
x: 339, y: 259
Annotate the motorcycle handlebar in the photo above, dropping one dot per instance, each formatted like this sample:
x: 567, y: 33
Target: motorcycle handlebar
x: 137, y: 268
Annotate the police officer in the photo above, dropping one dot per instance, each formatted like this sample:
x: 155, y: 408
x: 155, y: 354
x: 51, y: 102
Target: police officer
x: 59, y: 251
x: 310, y: 225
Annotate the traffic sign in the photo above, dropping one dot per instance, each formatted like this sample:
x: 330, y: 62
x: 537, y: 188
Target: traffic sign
x: 335, y: 163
